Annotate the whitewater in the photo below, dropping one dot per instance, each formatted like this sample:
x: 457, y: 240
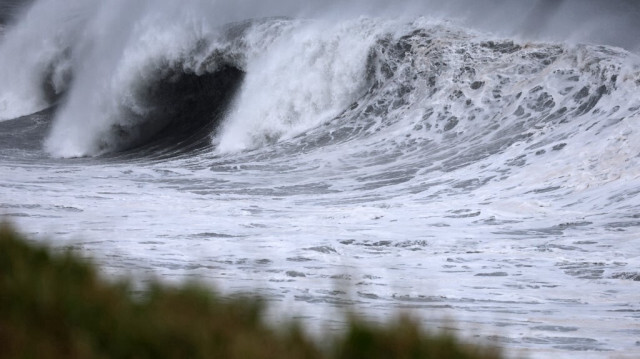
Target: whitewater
x: 332, y: 160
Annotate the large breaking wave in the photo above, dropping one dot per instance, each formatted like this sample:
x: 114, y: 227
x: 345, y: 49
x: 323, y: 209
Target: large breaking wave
x: 124, y: 76
x: 407, y: 97
x: 491, y: 148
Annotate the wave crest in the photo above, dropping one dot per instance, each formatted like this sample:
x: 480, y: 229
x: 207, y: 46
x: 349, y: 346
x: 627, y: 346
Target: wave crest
x: 129, y: 76
x: 160, y: 77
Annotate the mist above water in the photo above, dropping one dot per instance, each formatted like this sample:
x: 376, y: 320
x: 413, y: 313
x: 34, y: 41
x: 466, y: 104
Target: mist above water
x: 612, y: 22
x: 95, y: 54
x: 427, y: 154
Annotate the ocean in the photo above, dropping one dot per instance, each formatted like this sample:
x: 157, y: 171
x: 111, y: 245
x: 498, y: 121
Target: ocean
x: 476, y: 164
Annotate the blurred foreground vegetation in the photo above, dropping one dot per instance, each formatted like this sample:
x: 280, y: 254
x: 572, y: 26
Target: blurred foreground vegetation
x: 55, y: 305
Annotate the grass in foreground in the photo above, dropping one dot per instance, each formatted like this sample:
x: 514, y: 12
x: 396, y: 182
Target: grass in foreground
x: 56, y: 306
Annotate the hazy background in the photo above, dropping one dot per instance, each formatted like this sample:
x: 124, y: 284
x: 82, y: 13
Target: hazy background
x: 614, y: 22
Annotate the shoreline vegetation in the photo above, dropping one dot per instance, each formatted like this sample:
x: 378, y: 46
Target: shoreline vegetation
x: 55, y: 305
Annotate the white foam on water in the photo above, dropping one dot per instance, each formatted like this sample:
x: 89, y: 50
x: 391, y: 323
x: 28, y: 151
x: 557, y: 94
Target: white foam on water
x: 302, y: 80
x: 33, y: 54
x: 366, y: 164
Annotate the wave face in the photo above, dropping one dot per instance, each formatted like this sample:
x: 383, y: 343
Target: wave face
x: 104, y: 63
x: 420, y: 161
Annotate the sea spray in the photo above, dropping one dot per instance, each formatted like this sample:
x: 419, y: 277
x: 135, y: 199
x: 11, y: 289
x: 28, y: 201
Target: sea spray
x: 305, y: 79
x: 491, y: 176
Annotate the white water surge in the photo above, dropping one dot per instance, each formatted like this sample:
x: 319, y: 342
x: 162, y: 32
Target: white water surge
x: 334, y: 162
